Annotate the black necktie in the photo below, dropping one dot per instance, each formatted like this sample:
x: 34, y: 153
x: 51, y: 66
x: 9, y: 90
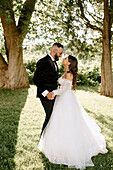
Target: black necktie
x: 55, y: 64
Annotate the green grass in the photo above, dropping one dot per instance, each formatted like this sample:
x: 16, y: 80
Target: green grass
x: 21, y: 119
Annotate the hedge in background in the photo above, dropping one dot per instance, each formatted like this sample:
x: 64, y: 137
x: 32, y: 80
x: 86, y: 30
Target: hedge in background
x: 87, y: 76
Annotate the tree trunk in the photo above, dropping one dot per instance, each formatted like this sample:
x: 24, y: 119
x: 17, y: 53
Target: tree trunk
x: 15, y: 75
x: 3, y: 68
x: 106, y: 64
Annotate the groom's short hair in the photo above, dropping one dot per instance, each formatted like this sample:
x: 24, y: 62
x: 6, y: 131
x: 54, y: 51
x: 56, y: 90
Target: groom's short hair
x: 58, y: 45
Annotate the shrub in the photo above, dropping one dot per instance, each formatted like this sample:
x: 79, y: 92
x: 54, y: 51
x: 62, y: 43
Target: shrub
x: 87, y: 76
x: 61, y: 71
x: 30, y: 69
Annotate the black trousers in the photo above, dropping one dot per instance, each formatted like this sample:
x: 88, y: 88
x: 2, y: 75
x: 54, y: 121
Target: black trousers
x: 48, y: 107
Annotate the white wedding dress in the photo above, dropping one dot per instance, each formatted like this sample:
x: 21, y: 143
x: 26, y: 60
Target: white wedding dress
x: 71, y: 137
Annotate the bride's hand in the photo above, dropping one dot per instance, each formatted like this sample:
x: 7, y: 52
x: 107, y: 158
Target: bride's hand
x: 50, y: 96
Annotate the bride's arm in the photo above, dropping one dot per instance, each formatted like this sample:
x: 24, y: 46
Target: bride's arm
x: 65, y: 86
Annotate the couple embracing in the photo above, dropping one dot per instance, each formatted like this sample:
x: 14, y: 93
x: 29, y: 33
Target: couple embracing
x: 69, y: 136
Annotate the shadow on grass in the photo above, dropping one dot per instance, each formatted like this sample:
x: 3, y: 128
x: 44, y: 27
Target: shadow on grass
x: 103, y: 161
x: 106, y: 121
x: 89, y: 88
x: 11, y: 104
x: 50, y: 166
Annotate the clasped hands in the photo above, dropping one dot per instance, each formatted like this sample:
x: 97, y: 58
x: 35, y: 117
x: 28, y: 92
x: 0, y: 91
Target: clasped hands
x: 50, y: 96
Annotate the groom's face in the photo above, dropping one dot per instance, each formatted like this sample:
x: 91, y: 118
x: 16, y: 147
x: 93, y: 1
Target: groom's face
x: 58, y: 53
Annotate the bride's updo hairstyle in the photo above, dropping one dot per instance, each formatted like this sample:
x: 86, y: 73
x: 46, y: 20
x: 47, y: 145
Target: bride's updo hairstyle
x: 73, y: 68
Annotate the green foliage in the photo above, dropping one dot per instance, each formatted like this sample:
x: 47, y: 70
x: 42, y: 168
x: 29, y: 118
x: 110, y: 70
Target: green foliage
x: 61, y: 21
x: 2, y: 47
x: 30, y: 68
x: 61, y: 71
x: 86, y: 76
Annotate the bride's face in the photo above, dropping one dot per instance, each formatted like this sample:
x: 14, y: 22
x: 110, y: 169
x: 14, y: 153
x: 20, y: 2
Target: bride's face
x: 65, y: 61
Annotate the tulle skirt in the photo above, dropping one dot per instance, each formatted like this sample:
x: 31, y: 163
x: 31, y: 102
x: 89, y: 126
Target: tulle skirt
x: 71, y: 137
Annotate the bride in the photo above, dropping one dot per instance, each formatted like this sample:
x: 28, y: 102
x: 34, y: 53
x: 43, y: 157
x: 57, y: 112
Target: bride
x: 71, y: 137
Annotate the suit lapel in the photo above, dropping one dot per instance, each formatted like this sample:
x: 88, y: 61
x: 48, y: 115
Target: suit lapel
x: 57, y: 69
x: 51, y: 62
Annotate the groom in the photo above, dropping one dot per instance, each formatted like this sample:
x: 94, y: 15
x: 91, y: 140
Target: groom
x: 45, y: 78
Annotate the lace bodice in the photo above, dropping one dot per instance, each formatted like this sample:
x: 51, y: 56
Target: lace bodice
x: 65, y: 85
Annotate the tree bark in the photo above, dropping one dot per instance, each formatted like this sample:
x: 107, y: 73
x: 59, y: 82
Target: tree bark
x: 15, y: 75
x: 106, y: 64
x: 3, y: 69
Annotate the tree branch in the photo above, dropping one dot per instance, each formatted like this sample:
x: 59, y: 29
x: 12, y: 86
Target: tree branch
x: 88, y: 24
x: 8, y: 22
x: 25, y: 17
x: 93, y: 16
x: 111, y: 15
x: 7, y: 15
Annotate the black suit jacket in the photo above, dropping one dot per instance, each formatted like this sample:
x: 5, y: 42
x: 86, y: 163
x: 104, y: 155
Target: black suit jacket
x: 45, y: 77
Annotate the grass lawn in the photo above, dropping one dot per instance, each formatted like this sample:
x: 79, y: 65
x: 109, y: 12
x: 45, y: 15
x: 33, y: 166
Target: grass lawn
x: 21, y: 119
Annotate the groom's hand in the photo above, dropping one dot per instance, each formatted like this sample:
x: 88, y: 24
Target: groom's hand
x: 50, y: 96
